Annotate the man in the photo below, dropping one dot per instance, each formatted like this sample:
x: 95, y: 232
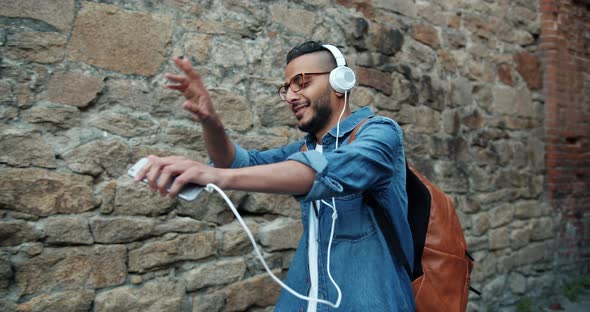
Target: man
x: 360, y: 262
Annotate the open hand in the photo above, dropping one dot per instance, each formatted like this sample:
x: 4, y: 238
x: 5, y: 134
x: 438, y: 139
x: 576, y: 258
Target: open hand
x: 198, y: 102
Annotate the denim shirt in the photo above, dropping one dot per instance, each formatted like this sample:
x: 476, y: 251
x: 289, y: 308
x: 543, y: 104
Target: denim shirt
x: 360, y: 262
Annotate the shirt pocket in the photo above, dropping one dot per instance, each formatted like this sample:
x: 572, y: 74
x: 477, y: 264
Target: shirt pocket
x: 354, y: 222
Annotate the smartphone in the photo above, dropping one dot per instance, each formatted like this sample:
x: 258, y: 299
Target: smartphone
x: 188, y: 192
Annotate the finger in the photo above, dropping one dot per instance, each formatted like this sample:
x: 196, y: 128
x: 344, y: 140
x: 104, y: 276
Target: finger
x: 175, y: 87
x: 185, y: 65
x: 142, y: 172
x: 167, y: 174
x: 154, y: 172
x: 178, y: 184
x: 175, y: 78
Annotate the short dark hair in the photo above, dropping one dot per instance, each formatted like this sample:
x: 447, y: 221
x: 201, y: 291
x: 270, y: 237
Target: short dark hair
x: 306, y: 48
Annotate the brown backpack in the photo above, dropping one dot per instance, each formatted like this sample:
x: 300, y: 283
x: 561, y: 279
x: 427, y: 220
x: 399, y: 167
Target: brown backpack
x: 442, y: 266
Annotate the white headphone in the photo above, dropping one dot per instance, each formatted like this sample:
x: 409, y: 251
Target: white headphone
x: 342, y: 78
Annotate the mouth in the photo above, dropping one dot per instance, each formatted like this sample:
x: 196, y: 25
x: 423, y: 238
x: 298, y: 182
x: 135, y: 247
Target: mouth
x: 299, y: 109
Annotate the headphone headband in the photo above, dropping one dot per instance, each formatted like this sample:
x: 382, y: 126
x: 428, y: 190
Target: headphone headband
x: 337, y: 54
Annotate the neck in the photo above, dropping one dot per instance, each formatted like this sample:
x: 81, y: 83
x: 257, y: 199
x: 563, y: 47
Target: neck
x: 331, y: 124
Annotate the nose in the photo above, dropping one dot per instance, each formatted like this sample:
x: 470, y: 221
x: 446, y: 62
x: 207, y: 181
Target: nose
x: 292, y: 96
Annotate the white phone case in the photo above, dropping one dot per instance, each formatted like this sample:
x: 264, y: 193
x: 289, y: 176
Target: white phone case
x: 188, y: 192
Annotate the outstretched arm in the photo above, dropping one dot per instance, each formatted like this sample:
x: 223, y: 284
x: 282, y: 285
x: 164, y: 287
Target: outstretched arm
x: 288, y: 177
x: 198, y: 103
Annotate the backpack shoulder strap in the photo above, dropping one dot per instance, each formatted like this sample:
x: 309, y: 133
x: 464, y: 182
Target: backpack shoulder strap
x: 356, y: 129
x: 382, y: 218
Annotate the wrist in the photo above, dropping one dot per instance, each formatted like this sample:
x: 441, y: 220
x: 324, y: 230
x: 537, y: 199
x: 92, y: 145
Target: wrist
x: 224, y: 178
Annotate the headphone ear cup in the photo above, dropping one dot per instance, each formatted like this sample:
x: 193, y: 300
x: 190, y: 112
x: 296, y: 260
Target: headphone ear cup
x: 342, y: 79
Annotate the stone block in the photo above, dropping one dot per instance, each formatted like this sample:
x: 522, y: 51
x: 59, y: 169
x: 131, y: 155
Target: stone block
x: 542, y: 229
x: 71, y: 268
x: 454, y: 39
x: 154, y: 255
x: 427, y: 120
x: 234, y: 240
x: 124, y: 124
x: 55, y: 193
x: 501, y: 215
x: 527, y: 209
x: 16, y: 232
x: 260, y: 142
x: 6, y: 274
x: 197, y: 46
x: 513, y: 102
x: 68, y: 230
x: 40, y: 47
x: 211, y: 207
x: 281, y: 233
x: 427, y: 35
x: 259, y: 290
x: 121, y: 229
x: 233, y: 109
x: 23, y: 148
x: 486, y: 266
x: 123, y: 41
x: 387, y: 40
x: 212, y: 302
x: 54, y: 116
x: 517, y: 283
x: 93, y: 158
x: 141, y: 96
x: 477, y: 243
x: 520, y: 237
x: 405, y: 7
x: 461, y: 93
x: 223, y: 53
x: 183, y: 133
x: 496, y: 287
x: 379, y: 80
x: 180, y: 225
x: 136, y: 199
x: 215, y: 273
x: 73, y: 88
x: 448, y: 61
x: 75, y: 300
x: 57, y: 13
x: 159, y: 295
x: 303, y: 24
x: 480, y: 223
x: 533, y: 253
x: 284, y: 205
x: 499, y: 238
x: 449, y: 178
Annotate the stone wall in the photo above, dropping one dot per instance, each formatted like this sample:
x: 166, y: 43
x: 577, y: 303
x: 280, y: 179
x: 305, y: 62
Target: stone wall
x: 82, y: 98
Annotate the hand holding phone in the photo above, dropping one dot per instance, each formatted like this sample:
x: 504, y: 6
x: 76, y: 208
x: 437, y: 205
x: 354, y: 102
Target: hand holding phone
x: 188, y: 192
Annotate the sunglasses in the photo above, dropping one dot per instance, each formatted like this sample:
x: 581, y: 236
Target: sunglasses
x: 297, y: 83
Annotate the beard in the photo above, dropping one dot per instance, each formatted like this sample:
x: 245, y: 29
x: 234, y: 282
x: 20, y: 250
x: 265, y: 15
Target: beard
x: 322, y: 110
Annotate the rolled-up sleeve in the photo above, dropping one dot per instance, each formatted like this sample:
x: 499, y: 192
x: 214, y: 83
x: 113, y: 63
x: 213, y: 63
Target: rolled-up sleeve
x: 322, y: 184
x: 241, y: 158
x: 372, y: 159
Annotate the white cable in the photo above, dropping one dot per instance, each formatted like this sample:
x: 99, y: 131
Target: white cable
x: 212, y: 187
